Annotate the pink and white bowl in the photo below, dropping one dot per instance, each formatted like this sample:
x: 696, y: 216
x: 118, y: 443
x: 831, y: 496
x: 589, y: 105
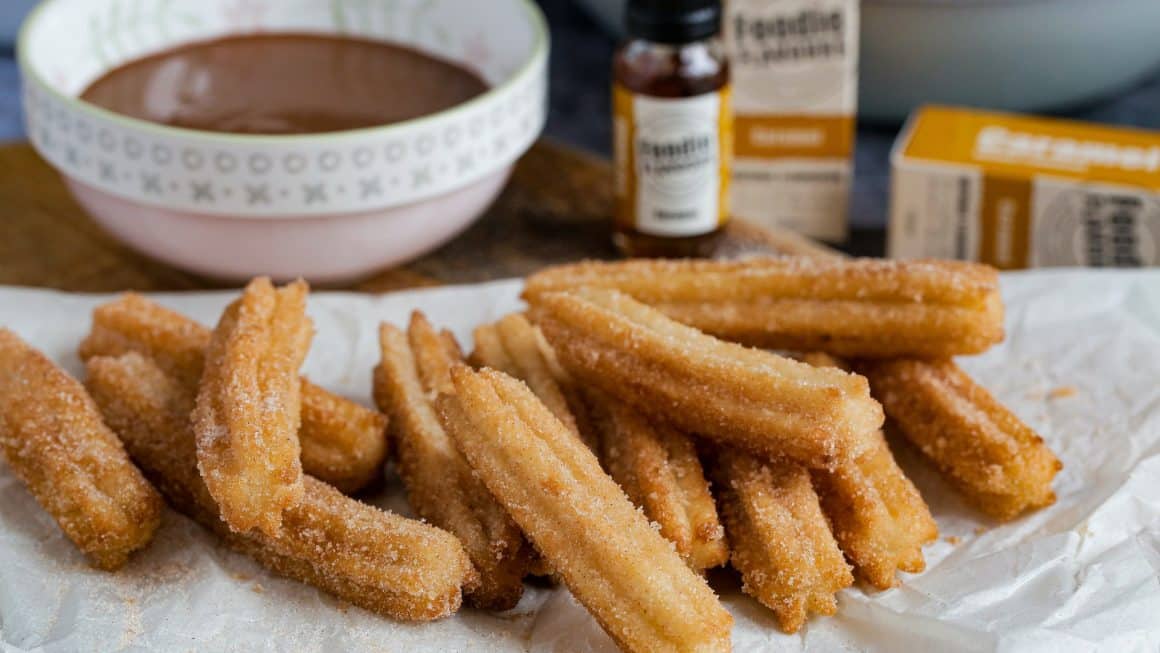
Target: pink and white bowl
x: 327, y: 207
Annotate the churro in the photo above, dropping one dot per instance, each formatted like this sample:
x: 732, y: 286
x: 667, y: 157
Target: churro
x: 374, y: 559
x: 249, y: 406
x: 862, y: 307
x: 627, y: 575
x: 877, y: 515
x: 780, y: 541
x: 513, y: 347
x: 53, y: 438
x: 995, y: 460
x: 343, y: 443
x: 440, y: 485
x: 750, y: 398
x: 657, y: 467
x: 516, y: 347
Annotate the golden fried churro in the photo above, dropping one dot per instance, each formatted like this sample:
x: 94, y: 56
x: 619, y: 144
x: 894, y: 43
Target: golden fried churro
x: 53, y: 438
x: 658, y: 468
x: 342, y: 442
x: 374, y: 559
x: 513, y: 347
x: 541, y: 372
x: 249, y: 406
x: 624, y: 572
x: 877, y: 515
x: 574, y: 393
x: 779, y: 537
x: 750, y: 398
x: 440, y: 485
x: 862, y: 307
x: 820, y: 359
x: 995, y: 460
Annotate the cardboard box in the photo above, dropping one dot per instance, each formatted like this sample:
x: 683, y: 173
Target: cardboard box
x: 795, y: 93
x: 1023, y: 192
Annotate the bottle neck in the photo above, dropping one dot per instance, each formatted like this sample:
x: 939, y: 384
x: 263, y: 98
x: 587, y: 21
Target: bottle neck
x: 673, y: 24
x: 669, y: 70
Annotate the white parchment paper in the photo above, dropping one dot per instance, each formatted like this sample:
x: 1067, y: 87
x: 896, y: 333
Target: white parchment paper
x: 1083, y: 575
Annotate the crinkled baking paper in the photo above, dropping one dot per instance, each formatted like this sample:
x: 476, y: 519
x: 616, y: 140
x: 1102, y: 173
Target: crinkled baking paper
x: 1081, y: 364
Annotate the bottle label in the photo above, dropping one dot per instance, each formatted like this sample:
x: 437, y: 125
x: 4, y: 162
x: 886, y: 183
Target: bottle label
x: 794, y: 66
x: 672, y: 162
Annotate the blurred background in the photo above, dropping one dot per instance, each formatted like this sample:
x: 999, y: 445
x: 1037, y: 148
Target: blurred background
x: 1116, y: 82
x: 1092, y: 61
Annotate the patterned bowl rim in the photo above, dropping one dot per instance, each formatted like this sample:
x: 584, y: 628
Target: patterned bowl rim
x: 527, y: 68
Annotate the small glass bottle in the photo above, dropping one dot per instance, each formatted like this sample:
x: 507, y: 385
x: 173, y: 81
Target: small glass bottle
x: 672, y: 130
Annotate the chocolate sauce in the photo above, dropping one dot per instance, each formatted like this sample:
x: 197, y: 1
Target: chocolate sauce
x: 284, y: 84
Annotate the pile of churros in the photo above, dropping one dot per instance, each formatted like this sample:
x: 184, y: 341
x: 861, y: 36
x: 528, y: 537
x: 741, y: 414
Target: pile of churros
x: 641, y: 423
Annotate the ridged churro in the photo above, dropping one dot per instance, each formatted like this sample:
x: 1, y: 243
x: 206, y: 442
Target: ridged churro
x: 780, y: 541
x: 862, y: 307
x: 343, y: 443
x: 53, y: 438
x: 573, y: 391
x: 513, y: 346
x: 249, y: 406
x: 995, y: 460
x: 374, y: 559
x: 441, y: 487
x: 628, y: 576
x: 877, y: 515
x: 657, y: 467
x: 750, y: 398
x: 516, y: 347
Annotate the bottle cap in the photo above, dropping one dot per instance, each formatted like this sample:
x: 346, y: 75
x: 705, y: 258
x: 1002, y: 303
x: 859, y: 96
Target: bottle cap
x: 673, y: 21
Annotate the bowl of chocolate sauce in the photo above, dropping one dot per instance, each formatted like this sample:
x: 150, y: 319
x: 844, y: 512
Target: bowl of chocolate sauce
x: 325, y: 140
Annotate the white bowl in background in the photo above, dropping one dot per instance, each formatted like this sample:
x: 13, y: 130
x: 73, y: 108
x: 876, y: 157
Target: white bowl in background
x: 1016, y: 55
x: 327, y: 207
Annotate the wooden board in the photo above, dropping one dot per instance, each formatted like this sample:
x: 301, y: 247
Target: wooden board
x: 555, y: 209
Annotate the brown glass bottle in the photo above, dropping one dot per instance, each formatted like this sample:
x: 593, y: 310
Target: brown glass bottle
x: 672, y: 130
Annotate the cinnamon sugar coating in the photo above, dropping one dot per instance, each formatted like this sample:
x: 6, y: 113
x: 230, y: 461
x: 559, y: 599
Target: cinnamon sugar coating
x: 754, y: 399
x: 869, y: 308
x: 342, y: 442
x: 414, y: 369
x: 54, y: 440
x: 374, y: 559
x: 627, y: 575
x: 780, y: 541
x: 249, y: 406
x: 992, y: 457
x: 658, y: 468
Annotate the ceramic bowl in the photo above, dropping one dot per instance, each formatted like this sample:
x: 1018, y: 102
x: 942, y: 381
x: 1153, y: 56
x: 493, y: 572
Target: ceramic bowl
x: 327, y: 207
x: 1016, y: 55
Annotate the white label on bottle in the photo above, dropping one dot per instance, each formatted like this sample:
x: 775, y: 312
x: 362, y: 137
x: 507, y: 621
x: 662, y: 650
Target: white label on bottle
x: 677, y: 159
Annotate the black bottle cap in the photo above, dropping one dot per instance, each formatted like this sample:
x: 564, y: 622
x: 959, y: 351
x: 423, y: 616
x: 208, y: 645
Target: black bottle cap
x: 673, y: 21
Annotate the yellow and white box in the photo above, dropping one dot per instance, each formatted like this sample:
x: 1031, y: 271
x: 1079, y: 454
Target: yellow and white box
x: 1023, y: 192
x: 795, y: 95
